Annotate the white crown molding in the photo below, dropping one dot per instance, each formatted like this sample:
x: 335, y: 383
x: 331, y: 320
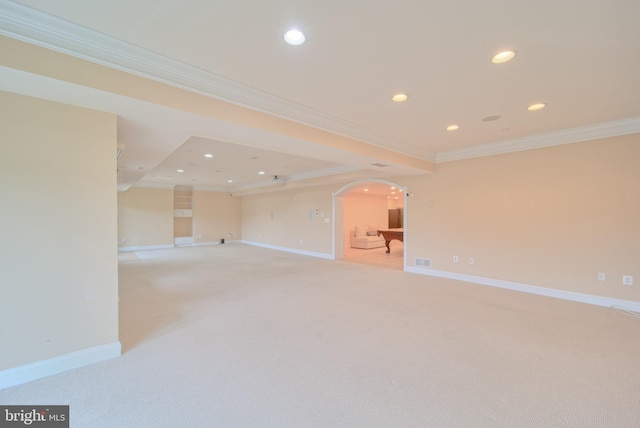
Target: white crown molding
x: 567, y: 136
x: 267, y: 184
x: 327, y: 172
x: 342, y: 169
x: 30, y: 25
x: 144, y: 185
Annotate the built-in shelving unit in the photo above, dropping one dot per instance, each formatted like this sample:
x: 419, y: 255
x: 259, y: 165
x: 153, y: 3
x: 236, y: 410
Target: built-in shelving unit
x: 182, y: 215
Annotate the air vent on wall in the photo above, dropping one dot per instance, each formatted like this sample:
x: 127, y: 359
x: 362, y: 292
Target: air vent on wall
x: 424, y: 263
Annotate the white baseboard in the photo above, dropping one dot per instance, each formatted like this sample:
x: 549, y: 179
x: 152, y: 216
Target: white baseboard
x: 290, y: 250
x: 533, y: 289
x: 204, y: 243
x: 146, y: 247
x: 27, y: 373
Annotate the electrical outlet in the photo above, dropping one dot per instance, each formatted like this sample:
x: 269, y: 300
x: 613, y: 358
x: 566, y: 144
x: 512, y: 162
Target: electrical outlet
x: 602, y: 276
x: 627, y: 280
x: 455, y: 259
x: 471, y: 260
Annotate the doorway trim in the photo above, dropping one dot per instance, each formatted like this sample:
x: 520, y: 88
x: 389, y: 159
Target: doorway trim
x: 337, y: 203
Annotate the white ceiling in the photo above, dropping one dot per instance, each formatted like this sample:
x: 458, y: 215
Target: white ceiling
x: 581, y: 58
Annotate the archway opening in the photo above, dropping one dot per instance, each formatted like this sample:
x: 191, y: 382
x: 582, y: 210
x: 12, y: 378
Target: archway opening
x: 360, y: 210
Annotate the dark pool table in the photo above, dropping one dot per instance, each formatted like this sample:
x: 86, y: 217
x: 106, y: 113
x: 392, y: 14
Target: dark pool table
x: 391, y: 234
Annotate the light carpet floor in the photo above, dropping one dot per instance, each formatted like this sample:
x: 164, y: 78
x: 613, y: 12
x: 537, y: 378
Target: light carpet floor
x: 239, y: 336
x: 377, y: 256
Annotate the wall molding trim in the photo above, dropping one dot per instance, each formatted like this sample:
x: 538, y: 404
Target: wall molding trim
x: 145, y: 248
x: 532, y: 289
x: 567, y: 136
x: 27, y: 373
x: 33, y: 26
x: 289, y: 250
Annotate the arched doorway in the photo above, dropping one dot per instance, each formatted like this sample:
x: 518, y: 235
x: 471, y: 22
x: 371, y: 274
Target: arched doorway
x: 340, y: 238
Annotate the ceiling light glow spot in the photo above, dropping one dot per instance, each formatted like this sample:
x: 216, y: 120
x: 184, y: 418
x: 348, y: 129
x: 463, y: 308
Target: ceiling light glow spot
x: 229, y: 181
x: 261, y: 172
x: 503, y: 56
x: 453, y: 128
x: 208, y: 155
x: 537, y: 106
x: 294, y: 37
x: 399, y: 98
x: 180, y: 170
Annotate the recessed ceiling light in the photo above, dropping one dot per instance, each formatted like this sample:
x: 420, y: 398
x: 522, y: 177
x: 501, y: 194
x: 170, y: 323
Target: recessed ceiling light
x: 180, y: 170
x: 208, y: 155
x: 261, y: 172
x: 229, y: 181
x: 503, y: 56
x: 399, y: 98
x: 537, y: 106
x: 453, y: 128
x: 294, y: 37
x: 366, y: 190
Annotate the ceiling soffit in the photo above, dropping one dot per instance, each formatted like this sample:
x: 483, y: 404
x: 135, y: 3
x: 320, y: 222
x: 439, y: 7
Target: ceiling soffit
x: 35, y: 27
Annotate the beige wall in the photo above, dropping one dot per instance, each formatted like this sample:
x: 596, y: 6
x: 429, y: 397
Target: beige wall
x: 216, y: 216
x: 364, y: 210
x: 183, y: 227
x: 145, y: 217
x: 59, y: 278
x: 288, y: 219
x: 551, y: 217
